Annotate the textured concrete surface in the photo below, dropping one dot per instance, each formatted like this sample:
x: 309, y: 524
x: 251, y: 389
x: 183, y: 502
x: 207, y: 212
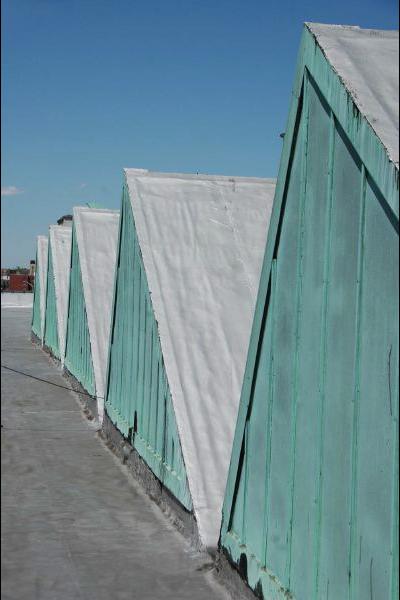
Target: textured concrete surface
x: 74, y: 523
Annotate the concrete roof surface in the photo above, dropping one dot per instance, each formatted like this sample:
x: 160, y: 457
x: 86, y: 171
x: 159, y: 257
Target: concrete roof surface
x: 75, y: 523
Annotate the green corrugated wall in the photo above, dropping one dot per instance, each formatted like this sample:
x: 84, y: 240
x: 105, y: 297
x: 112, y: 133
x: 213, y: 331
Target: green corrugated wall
x: 138, y: 398
x: 78, y: 354
x: 36, y: 318
x: 311, y: 507
x: 50, y: 322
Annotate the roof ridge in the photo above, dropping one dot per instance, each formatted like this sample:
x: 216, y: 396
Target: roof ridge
x: 350, y: 28
x: 133, y: 172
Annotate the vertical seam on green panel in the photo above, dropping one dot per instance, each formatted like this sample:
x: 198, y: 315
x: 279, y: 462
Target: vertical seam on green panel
x: 50, y: 335
x: 395, y: 508
x: 260, y: 315
x: 356, y: 396
x: 149, y: 377
x: 69, y: 296
x: 47, y: 294
x: 143, y: 406
x: 136, y: 323
x: 164, y: 450
x: 299, y: 286
x: 157, y: 394
x: 47, y: 291
x: 131, y: 406
x: 323, y: 351
x: 245, y: 479
x: 141, y: 335
x: 154, y: 386
x: 121, y: 349
x: 270, y: 409
x: 80, y: 362
x: 114, y: 304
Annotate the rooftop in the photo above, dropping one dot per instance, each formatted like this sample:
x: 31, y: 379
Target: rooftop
x: 367, y: 62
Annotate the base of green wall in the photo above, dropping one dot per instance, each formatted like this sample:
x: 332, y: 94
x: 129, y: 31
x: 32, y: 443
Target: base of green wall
x: 181, y: 518
x: 264, y: 584
x: 35, y: 339
x: 50, y: 352
x: 232, y: 579
x: 89, y: 403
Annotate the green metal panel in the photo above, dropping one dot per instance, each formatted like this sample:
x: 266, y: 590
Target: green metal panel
x: 138, y: 398
x: 36, y: 318
x: 311, y: 505
x: 375, y: 507
x: 78, y: 354
x: 50, y: 322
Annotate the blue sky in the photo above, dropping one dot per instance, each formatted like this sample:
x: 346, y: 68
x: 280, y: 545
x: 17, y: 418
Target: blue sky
x: 90, y: 87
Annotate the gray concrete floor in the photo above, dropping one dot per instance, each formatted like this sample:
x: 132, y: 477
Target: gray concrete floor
x: 74, y: 523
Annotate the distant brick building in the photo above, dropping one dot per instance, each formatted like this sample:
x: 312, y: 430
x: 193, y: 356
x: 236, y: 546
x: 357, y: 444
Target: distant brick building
x: 18, y: 279
x: 20, y: 282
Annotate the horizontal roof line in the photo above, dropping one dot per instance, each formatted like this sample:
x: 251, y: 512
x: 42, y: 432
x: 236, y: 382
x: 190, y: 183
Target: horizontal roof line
x: 390, y: 33
x: 195, y: 176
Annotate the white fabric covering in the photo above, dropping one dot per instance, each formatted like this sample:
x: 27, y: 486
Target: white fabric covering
x: 367, y: 61
x: 97, y: 236
x: 202, y: 240
x: 60, y: 243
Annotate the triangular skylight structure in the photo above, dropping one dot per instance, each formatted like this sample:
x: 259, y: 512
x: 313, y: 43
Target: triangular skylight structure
x: 93, y: 252
x: 311, y: 505
x: 189, y: 259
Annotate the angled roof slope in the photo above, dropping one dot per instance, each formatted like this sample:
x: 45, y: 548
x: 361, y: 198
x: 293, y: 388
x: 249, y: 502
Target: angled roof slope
x: 60, y: 242
x: 367, y: 62
x: 202, y: 240
x: 97, y: 235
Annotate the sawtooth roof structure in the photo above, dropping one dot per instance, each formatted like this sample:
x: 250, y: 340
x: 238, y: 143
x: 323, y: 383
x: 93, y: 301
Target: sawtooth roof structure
x: 94, y: 244
x: 201, y: 240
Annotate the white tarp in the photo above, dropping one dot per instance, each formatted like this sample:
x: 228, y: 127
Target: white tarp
x: 367, y: 61
x: 97, y: 236
x: 60, y: 243
x: 202, y: 240
x: 41, y: 266
x: 16, y: 300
